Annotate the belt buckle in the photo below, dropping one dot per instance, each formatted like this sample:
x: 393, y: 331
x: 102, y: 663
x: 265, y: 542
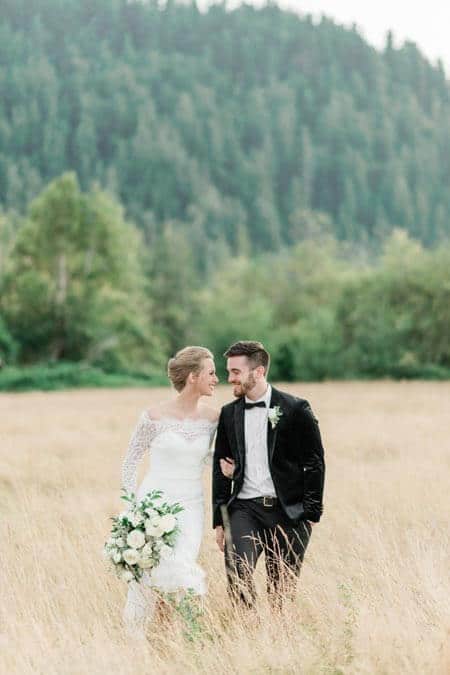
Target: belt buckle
x: 268, y: 502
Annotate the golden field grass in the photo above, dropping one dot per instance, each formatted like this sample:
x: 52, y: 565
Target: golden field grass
x: 374, y: 595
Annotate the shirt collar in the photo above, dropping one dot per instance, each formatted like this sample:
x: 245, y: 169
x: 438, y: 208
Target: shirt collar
x: 265, y: 397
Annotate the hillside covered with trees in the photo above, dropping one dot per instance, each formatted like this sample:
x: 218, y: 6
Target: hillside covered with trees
x: 236, y: 124
x: 169, y: 176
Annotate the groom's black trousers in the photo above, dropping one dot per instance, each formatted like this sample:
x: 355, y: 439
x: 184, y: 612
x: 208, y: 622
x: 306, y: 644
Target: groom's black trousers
x: 256, y: 528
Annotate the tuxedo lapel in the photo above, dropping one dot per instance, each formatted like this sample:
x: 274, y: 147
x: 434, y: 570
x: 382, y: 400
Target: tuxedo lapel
x: 239, y: 427
x: 272, y: 433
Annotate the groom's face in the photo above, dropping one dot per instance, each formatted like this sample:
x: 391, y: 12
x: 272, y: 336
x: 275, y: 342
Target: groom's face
x: 240, y: 375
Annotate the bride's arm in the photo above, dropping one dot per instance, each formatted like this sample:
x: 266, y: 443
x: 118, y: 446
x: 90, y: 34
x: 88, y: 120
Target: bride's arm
x: 139, y: 444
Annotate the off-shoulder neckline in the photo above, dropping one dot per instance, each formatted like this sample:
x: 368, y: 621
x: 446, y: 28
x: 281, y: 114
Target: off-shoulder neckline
x: 168, y: 418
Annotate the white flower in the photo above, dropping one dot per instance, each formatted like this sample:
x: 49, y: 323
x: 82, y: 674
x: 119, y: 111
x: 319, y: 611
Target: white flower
x: 155, y: 520
x: 156, y: 531
x: 150, y: 512
x: 274, y: 415
x: 147, y: 551
x: 127, y: 576
x: 117, y: 557
x: 136, y: 539
x: 146, y: 556
x: 153, y: 527
x: 145, y: 563
x: 120, y: 543
x: 136, y: 518
x: 131, y: 556
x: 168, y: 522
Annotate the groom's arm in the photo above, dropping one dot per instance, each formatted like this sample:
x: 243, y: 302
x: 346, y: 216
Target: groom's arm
x: 221, y: 486
x: 313, y: 462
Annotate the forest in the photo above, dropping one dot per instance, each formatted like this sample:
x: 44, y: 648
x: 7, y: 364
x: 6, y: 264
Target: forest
x: 173, y: 176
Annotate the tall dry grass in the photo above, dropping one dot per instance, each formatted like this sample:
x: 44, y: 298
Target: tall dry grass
x: 374, y: 595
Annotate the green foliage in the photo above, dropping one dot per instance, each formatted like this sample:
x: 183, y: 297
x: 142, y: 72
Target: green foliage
x: 173, y: 282
x: 78, y: 287
x: 55, y: 376
x: 289, y: 301
x: 266, y: 161
x: 233, y: 123
x: 74, y: 286
x: 8, y: 346
x: 322, y: 314
x: 188, y: 608
x: 234, y: 306
x: 396, y: 319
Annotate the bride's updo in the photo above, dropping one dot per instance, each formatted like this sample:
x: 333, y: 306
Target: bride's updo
x: 187, y: 360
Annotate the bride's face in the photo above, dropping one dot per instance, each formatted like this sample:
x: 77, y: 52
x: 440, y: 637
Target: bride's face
x: 207, y: 379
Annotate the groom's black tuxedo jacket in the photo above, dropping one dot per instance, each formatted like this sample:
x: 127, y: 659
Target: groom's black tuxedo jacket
x: 295, y: 451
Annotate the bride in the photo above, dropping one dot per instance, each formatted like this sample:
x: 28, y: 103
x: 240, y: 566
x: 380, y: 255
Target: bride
x: 177, y: 435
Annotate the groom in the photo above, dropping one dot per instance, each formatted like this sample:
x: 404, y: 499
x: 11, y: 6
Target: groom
x: 268, y: 477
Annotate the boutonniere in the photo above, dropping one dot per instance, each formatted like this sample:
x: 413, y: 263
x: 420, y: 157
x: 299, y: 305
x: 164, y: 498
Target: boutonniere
x: 274, y: 415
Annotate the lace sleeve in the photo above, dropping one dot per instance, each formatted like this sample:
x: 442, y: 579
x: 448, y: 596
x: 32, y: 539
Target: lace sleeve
x: 139, y: 444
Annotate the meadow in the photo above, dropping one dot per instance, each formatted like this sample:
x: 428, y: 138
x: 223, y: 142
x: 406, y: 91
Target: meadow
x: 374, y: 594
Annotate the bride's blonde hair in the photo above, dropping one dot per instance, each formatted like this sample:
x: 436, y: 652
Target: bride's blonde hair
x: 187, y: 360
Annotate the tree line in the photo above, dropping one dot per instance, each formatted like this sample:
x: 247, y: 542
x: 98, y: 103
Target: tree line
x: 79, y: 283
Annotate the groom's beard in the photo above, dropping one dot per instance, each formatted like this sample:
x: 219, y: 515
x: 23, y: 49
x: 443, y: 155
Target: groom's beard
x: 243, y: 388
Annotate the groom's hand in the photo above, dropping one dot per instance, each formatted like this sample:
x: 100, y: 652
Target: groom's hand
x: 227, y: 466
x: 220, y: 537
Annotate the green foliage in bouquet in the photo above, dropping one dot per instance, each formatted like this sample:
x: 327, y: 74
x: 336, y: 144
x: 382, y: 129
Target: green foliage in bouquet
x: 142, y: 535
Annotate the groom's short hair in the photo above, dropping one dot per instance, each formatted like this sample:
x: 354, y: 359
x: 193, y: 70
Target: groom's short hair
x: 256, y: 353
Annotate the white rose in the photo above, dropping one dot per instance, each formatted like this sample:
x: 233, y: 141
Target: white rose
x: 131, y: 556
x: 168, y: 522
x: 144, y: 563
x: 136, y: 539
x: 126, y: 576
x: 155, y: 531
x: 136, y: 518
x: 152, y: 527
x: 147, y: 551
x: 117, y: 557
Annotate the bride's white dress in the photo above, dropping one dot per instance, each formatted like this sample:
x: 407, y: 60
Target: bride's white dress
x: 177, y: 451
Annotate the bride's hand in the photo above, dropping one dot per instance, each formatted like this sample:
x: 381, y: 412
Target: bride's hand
x: 228, y: 466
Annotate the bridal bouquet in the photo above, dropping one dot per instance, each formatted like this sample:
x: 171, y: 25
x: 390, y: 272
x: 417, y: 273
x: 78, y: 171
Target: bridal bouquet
x: 142, y: 535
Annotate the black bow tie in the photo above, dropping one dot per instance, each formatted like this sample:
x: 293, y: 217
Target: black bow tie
x: 258, y: 404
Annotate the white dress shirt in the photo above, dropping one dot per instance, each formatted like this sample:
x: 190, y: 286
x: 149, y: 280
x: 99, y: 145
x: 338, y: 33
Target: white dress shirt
x: 257, y: 479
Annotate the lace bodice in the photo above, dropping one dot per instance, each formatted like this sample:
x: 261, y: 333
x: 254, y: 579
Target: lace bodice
x: 147, y: 433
